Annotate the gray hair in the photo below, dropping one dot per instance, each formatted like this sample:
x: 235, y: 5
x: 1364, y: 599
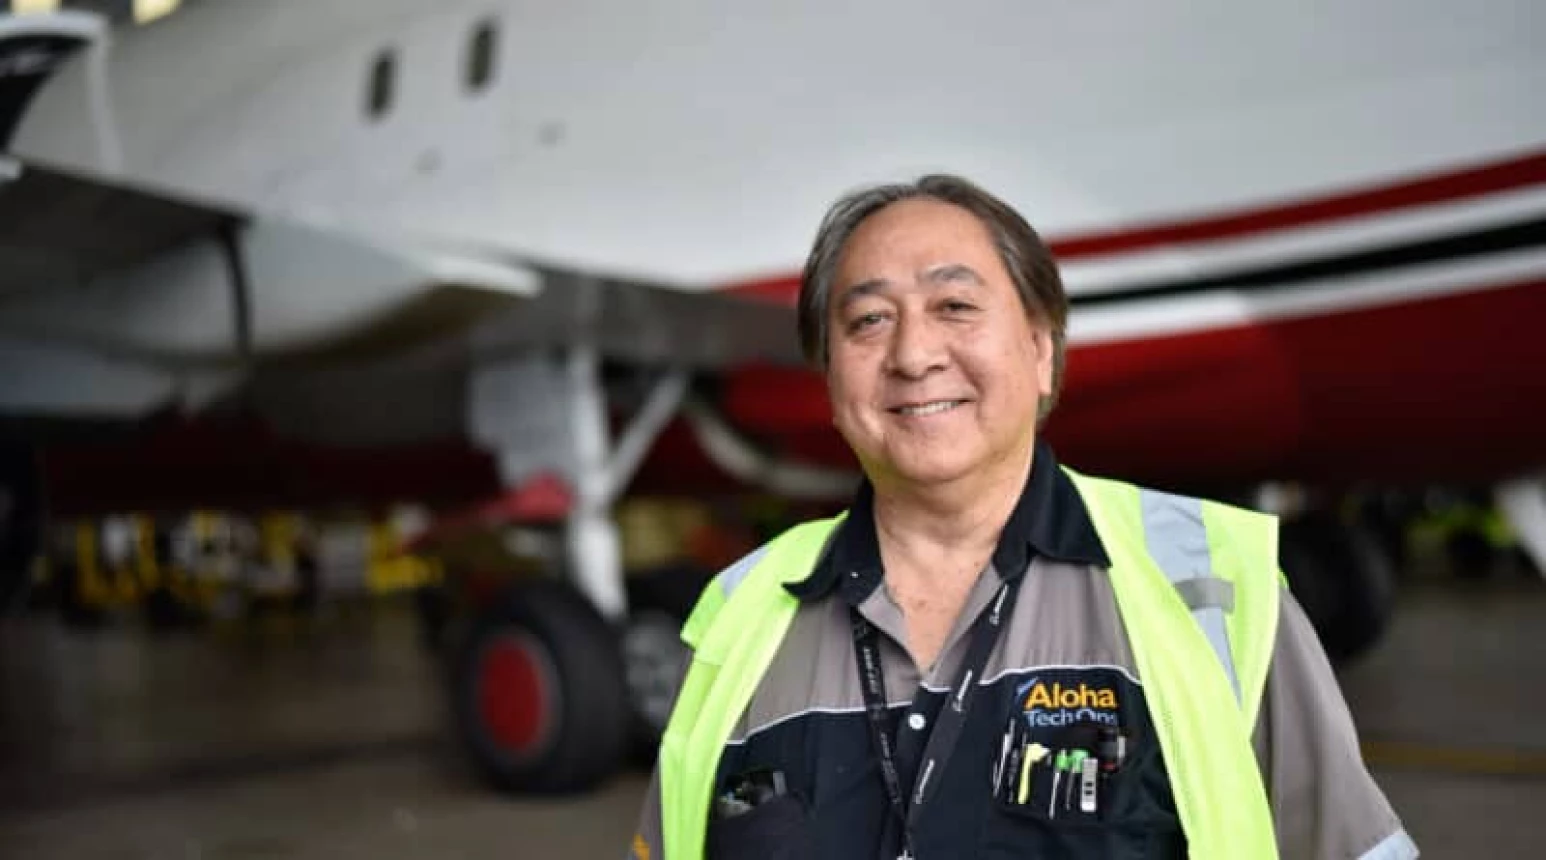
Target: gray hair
x: 1027, y: 259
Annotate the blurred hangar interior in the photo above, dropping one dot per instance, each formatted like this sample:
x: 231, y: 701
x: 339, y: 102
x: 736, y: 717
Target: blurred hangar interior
x: 380, y: 382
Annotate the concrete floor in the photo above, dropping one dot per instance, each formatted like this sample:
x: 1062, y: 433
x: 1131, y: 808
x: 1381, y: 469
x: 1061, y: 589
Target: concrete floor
x: 1449, y: 707
x: 277, y: 743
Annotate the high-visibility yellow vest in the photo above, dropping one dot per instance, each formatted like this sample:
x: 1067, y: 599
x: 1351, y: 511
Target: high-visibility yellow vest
x: 1196, y: 584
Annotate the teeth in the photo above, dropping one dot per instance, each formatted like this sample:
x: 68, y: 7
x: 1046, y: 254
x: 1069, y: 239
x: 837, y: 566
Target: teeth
x: 934, y: 408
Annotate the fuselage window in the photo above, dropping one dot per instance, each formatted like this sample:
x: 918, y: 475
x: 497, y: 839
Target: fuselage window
x: 378, y: 98
x: 480, y: 56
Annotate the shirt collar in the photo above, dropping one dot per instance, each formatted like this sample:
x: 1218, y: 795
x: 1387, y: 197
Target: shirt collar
x: 1050, y: 520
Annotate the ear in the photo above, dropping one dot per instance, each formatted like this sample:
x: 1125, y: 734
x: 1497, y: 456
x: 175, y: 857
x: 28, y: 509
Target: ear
x: 1045, y: 350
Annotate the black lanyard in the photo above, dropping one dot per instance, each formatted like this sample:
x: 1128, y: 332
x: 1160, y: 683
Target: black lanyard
x: 952, y: 714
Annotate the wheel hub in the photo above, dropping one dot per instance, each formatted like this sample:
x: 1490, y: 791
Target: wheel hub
x: 516, y: 693
x: 653, y: 655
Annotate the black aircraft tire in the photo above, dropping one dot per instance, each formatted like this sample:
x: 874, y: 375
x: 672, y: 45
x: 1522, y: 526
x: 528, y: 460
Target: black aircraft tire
x: 654, y: 655
x: 1471, y: 555
x: 537, y: 692
x: 1343, y: 578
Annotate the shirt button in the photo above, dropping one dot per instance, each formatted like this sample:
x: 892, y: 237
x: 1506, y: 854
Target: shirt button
x: 916, y: 722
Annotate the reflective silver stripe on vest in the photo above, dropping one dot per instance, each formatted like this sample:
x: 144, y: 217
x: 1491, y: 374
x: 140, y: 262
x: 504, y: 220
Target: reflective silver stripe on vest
x: 1178, y: 542
x: 1396, y: 846
x: 730, y: 578
x: 1198, y: 592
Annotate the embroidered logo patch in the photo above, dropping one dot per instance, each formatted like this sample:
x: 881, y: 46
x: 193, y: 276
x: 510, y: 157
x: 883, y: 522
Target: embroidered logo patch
x: 1054, y: 704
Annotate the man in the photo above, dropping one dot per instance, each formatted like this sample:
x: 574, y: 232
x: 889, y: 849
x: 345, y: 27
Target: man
x: 985, y: 656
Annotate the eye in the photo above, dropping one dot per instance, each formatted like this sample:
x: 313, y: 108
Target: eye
x: 864, y: 321
x: 958, y: 306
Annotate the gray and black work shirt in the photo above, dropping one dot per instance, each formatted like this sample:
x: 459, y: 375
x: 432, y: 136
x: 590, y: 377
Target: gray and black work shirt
x: 1062, y: 669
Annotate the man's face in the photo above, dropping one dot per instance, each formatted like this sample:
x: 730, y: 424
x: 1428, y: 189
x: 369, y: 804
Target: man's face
x: 935, y: 367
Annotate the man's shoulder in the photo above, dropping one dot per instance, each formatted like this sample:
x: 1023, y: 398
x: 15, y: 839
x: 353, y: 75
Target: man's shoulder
x: 802, y: 542
x: 1229, y: 511
x: 788, y: 557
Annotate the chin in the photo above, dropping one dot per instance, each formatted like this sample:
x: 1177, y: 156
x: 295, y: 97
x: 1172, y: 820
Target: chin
x: 932, y: 470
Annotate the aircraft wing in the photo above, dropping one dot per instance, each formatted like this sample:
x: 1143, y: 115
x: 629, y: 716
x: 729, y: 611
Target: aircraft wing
x: 645, y: 323
x: 58, y: 228
x: 96, y: 273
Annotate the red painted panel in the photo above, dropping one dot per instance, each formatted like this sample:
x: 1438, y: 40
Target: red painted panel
x: 1452, y: 388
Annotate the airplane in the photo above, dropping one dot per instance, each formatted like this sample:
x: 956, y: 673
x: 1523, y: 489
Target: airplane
x: 1305, y: 245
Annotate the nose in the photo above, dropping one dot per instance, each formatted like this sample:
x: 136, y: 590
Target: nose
x: 917, y: 348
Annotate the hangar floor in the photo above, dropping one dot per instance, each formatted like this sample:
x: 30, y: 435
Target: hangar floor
x: 324, y: 742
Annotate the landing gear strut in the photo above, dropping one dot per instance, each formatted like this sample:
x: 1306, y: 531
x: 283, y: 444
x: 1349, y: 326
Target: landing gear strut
x: 1523, y: 503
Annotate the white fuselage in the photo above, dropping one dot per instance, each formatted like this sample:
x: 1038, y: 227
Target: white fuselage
x: 696, y: 144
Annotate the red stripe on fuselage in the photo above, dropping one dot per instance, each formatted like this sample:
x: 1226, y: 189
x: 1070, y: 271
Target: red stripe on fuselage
x: 1447, y: 187
x: 1425, y: 191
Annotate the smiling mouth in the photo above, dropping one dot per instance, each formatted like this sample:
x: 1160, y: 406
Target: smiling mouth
x: 934, y: 407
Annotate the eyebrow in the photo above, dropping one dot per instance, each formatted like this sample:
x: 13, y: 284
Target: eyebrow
x: 851, y: 294
x: 946, y: 273
x: 952, y: 273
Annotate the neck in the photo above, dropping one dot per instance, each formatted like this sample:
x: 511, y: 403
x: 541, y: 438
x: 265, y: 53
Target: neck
x: 947, y: 520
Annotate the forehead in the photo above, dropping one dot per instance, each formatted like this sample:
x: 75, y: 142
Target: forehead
x: 916, y: 233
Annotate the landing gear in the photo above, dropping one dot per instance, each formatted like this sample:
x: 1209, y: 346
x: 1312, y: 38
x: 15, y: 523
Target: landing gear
x: 1523, y: 504
x: 537, y: 692
x: 1343, y: 577
x: 544, y: 698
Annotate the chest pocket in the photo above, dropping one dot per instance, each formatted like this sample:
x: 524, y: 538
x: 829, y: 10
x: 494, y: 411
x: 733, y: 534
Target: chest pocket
x: 779, y: 829
x: 1078, y: 772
